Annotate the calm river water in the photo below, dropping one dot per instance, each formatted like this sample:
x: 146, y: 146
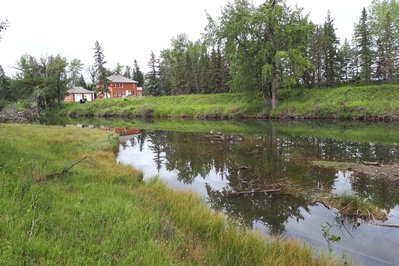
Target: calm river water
x: 216, y: 158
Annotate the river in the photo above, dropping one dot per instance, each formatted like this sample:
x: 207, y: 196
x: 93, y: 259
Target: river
x: 217, y: 159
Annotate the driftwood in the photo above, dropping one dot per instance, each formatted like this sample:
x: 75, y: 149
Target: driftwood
x: 272, y: 188
x: 87, y: 159
x: 389, y: 225
x: 371, y: 163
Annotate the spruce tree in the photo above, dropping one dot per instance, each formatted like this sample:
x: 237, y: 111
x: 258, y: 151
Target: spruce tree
x: 99, y: 63
x: 137, y: 74
x: 363, y: 44
x: 151, y: 85
x: 330, y: 51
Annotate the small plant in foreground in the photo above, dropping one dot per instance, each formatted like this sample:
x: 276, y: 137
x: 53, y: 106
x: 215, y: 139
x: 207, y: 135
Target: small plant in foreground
x: 330, y: 238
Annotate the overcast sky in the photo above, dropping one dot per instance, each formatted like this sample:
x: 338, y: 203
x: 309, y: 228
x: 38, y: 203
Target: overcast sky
x: 126, y: 29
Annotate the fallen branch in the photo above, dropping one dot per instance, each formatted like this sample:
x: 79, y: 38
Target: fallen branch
x: 273, y: 188
x: 87, y: 159
x: 389, y: 225
x: 371, y: 163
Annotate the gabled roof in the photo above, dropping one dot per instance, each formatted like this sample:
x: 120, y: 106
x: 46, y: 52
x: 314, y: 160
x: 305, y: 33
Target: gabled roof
x: 120, y: 79
x: 79, y: 90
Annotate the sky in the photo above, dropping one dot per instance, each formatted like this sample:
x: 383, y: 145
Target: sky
x: 127, y: 29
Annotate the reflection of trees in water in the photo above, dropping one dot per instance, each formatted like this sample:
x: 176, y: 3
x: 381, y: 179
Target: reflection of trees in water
x: 266, y: 159
x: 273, y: 210
x: 380, y: 192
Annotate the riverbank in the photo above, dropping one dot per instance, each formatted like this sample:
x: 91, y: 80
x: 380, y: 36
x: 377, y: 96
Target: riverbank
x: 100, y: 212
x: 374, y: 102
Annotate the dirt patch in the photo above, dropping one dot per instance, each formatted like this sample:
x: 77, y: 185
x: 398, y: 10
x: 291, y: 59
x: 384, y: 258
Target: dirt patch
x: 369, y: 169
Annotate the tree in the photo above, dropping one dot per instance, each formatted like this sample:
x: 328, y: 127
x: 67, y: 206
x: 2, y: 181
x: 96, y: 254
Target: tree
x: 99, y: 63
x: 348, y: 63
x: 127, y: 73
x: 5, y: 89
x: 151, y: 84
x: 91, y: 70
x: 137, y: 74
x: 363, y: 42
x: 330, y: 48
x: 118, y: 69
x: 74, y: 69
x: 56, y: 80
x: 3, y: 26
x: 256, y: 39
x: 44, y: 80
x: 82, y: 83
x: 384, y: 24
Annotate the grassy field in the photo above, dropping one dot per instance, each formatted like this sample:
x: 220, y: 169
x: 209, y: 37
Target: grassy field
x: 101, y: 212
x: 375, y: 102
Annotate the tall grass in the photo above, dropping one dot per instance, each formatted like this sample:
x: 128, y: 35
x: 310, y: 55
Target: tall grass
x: 104, y: 214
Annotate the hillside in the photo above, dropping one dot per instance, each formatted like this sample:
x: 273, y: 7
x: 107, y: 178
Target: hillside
x: 376, y: 102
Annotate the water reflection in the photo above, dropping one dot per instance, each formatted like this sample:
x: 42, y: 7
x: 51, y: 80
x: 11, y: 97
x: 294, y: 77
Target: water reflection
x: 214, y: 165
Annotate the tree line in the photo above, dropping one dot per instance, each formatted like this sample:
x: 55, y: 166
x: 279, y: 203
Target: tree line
x: 248, y: 48
x: 44, y: 81
x: 272, y: 46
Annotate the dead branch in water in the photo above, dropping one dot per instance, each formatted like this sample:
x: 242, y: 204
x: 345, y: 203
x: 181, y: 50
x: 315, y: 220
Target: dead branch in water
x: 389, y: 225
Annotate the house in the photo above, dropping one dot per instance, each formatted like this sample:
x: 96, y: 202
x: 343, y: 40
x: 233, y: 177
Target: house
x: 79, y: 93
x: 120, y: 87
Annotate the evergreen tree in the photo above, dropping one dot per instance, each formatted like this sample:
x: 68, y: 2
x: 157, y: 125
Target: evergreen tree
x: 138, y: 74
x: 347, y: 63
x: 330, y: 51
x: 384, y: 24
x: 118, y: 69
x: 151, y: 85
x: 204, y: 70
x: 99, y: 63
x: 386, y: 52
x: 363, y: 45
x: 127, y: 73
x: 82, y: 83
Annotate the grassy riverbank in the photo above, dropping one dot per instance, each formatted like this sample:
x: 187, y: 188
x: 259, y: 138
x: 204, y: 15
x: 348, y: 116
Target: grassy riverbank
x: 102, y: 213
x: 376, y: 102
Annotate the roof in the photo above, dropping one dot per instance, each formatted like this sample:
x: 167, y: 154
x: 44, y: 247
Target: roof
x: 79, y: 90
x: 120, y: 79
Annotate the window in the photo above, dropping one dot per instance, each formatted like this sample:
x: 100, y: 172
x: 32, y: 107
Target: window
x: 119, y: 85
x: 119, y: 93
x: 114, y: 92
x: 122, y: 85
x: 114, y: 85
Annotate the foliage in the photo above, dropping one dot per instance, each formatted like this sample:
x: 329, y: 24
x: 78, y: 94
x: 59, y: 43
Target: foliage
x: 137, y: 74
x: 74, y: 69
x: 328, y: 236
x: 3, y: 25
x: 43, y: 80
x: 152, y: 79
x: 5, y: 89
x: 101, y: 71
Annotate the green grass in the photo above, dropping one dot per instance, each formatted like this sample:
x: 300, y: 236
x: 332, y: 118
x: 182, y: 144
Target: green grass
x: 374, y: 102
x: 353, y: 205
x: 361, y: 102
x: 105, y: 214
x: 200, y: 106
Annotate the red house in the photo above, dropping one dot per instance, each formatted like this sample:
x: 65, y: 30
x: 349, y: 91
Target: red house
x: 119, y: 87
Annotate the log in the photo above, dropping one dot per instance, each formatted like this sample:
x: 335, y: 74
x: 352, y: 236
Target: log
x: 371, y: 163
x: 389, y: 225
